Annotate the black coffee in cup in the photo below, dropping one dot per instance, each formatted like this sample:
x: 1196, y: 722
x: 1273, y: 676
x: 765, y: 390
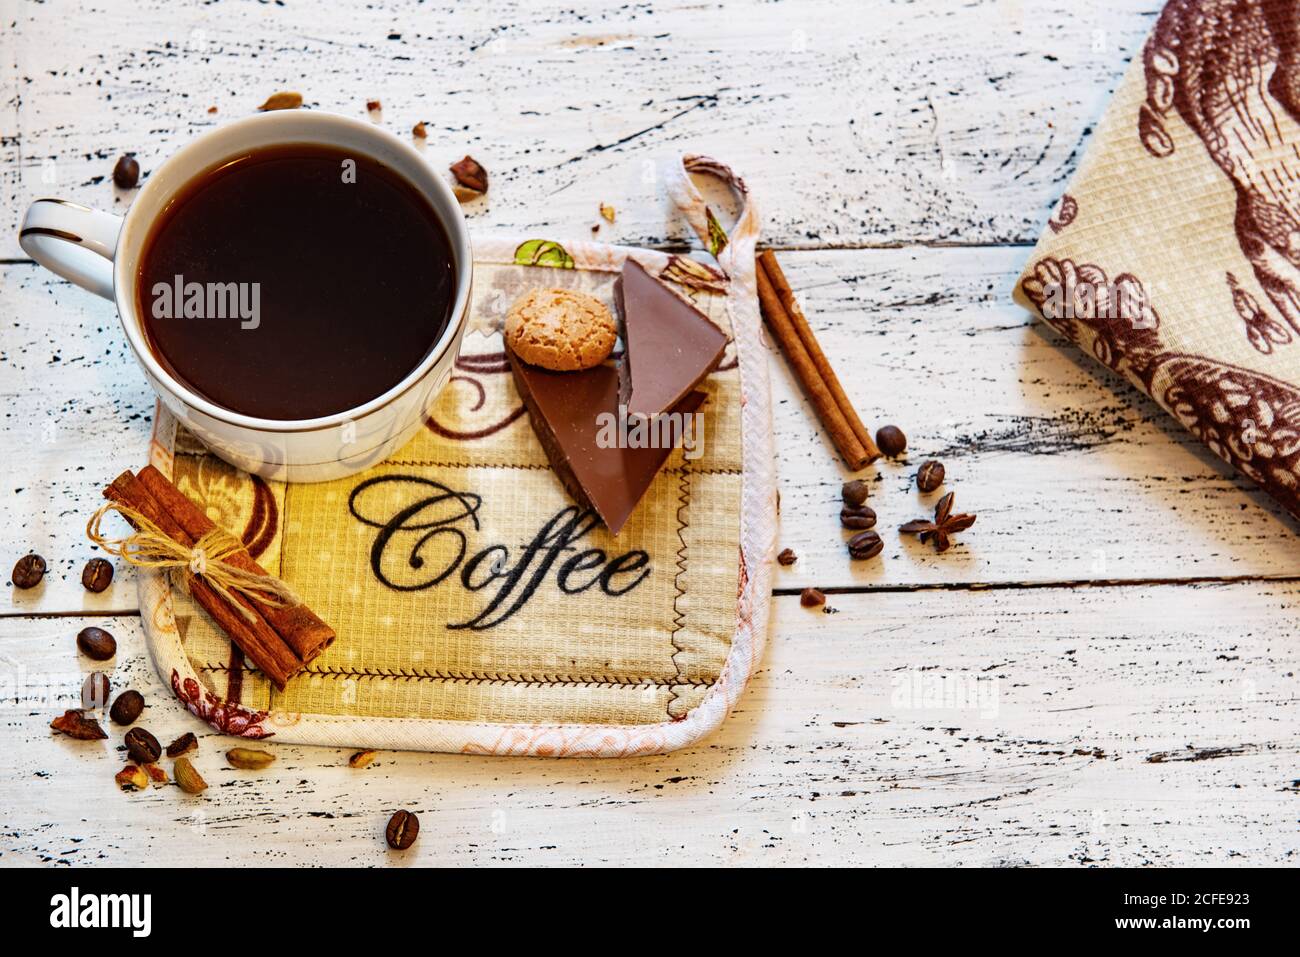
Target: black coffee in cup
x: 295, y: 281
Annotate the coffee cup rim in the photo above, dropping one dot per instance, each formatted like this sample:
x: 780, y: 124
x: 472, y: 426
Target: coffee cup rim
x: 201, y: 149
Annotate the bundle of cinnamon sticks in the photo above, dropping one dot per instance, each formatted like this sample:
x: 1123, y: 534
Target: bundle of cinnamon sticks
x: 279, y: 640
x: 810, y: 365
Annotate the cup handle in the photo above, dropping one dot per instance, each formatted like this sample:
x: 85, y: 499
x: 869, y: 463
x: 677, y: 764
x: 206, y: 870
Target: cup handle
x: 73, y: 241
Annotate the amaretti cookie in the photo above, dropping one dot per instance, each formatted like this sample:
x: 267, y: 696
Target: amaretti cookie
x: 560, y: 329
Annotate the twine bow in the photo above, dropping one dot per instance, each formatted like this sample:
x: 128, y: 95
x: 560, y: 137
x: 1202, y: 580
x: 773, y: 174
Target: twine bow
x: 150, y: 547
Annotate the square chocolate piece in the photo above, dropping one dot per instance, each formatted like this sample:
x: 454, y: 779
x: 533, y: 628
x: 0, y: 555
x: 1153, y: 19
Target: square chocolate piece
x: 565, y: 409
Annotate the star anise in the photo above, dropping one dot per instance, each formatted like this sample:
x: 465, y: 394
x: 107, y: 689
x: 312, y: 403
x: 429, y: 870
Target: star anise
x: 944, y: 525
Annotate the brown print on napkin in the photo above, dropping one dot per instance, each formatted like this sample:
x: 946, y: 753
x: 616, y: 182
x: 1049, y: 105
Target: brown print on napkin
x: 1066, y: 212
x: 1187, y: 206
x: 1248, y: 419
x: 1230, y: 69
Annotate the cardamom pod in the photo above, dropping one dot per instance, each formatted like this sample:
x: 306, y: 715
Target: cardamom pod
x: 285, y: 100
x: 190, y: 781
x: 246, y: 759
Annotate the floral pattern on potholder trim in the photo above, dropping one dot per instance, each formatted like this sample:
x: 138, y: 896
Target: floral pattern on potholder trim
x: 221, y: 715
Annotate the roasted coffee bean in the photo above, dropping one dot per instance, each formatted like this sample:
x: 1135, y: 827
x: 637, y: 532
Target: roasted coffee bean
x: 811, y: 598
x: 891, y: 440
x: 403, y: 828
x: 29, y: 571
x: 929, y: 476
x: 855, y: 492
x: 186, y: 742
x: 787, y: 557
x: 97, y: 575
x: 96, y: 643
x: 859, y: 517
x: 94, y: 691
x: 127, y: 172
x: 127, y: 707
x: 142, y: 747
x: 866, y: 545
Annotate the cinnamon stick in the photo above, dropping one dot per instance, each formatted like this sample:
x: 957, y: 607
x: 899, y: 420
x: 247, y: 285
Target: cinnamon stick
x: 767, y: 260
x: 854, y: 453
x: 256, y: 639
x: 305, y: 633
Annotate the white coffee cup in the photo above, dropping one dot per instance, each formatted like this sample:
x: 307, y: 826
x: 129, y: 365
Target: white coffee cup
x: 100, y: 252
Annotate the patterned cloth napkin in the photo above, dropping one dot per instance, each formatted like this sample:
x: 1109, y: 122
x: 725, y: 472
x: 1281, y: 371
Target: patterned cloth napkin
x: 1174, y: 256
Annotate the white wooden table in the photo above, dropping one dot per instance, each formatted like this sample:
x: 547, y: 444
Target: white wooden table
x: 1126, y: 605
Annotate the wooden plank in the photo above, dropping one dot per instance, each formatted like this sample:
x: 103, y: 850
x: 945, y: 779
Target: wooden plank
x: 12, y: 196
x: 855, y: 123
x: 76, y: 412
x: 1073, y: 474
x: 1120, y: 725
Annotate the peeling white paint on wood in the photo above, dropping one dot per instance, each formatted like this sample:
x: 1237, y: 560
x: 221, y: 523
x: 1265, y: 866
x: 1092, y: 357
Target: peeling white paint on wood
x: 844, y: 750
x: 1074, y: 475
x: 854, y: 123
x: 1071, y: 481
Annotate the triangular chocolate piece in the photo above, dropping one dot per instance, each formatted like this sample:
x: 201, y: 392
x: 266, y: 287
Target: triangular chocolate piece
x: 669, y: 346
x: 564, y: 409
